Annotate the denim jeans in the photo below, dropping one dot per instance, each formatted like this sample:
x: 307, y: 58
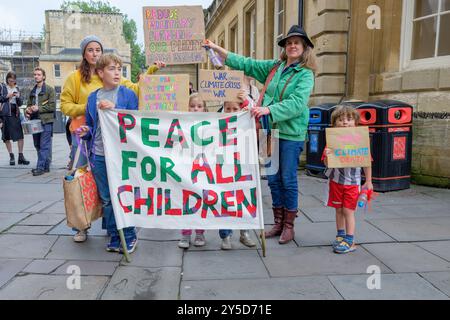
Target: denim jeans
x: 225, y: 233
x: 43, y: 144
x: 101, y: 179
x: 284, y: 185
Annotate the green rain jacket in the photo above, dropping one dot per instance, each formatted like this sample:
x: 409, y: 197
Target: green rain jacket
x: 290, y: 114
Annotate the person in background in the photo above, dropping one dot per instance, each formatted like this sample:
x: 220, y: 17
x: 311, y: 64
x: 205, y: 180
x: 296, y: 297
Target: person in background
x: 12, y: 128
x: 42, y: 105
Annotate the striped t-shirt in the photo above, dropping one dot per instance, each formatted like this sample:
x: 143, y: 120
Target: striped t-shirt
x: 345, y: 176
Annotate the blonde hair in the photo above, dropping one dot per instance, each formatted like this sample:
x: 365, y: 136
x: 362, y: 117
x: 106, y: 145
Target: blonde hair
x: 106, y: 59
x: 344, y: 110
x: 196, y: 95
x: 308, y: 58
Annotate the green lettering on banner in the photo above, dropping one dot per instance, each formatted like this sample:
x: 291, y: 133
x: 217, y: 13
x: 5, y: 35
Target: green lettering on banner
x: 167, y: 166
x: 225, y: 131
x: 196, y: 138
x: 147, y: 132
x: 148, y: 176
x: 127, y: 163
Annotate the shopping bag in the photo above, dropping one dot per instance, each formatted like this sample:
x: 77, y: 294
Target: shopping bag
x: 81, y: 199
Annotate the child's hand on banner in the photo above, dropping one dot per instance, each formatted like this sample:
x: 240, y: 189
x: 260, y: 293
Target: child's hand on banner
x: 327, y: 152
x: 82, y: 131
x: 106, y: 105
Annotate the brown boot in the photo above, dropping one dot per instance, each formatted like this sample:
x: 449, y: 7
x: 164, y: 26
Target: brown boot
x: 288, y: 228
x: 278, y: 216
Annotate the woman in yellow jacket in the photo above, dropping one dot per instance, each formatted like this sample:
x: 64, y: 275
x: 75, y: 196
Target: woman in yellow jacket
x: 77, y: 88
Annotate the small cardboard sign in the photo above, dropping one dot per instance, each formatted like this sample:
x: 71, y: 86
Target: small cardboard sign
x: 174, y: 34
x: 350, y: 147
x: 164, y: 93
x: 222, y: 85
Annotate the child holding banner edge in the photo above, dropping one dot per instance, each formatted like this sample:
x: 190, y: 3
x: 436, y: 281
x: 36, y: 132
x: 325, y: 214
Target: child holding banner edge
x: 345, y: 185
x: 78, y: 86
x: 196, y: 104
x: 111, y: 96
x: 225, y: 235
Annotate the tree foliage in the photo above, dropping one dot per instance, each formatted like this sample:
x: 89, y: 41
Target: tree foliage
x: 129, y: 28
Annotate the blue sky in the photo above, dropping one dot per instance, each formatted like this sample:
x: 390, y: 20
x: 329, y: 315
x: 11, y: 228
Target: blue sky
x: 28, y: 15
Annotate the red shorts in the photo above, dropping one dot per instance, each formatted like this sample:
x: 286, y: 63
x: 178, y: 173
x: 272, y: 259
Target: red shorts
x: 342, y: 196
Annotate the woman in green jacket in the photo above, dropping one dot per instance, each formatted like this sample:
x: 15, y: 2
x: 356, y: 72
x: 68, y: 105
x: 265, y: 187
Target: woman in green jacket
x: 289, y: 81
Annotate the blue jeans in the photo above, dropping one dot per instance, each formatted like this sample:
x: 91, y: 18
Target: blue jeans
x: 101, y: 179
x: 225, y: 233
x: 284, y: 185
x: 43, y: 144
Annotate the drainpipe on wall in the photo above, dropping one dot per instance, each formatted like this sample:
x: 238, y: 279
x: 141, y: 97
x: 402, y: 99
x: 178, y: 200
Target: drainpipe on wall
x: 300, y: 12
x: 347, y: 58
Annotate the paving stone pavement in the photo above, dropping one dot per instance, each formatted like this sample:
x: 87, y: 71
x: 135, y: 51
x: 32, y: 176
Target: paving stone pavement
x: 406, y: 237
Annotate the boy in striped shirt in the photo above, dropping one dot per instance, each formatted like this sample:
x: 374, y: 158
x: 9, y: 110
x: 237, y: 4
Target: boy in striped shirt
x: 345, y: 185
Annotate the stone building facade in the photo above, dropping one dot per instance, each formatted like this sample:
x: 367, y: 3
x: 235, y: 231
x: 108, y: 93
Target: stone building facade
x: 63, y: 34
x: 406, y: 57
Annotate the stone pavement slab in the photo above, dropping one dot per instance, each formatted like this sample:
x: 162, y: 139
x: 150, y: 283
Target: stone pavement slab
x: 159, y: 235
x: 43, y: 266
x: 319, y: 261
x: 89, y: 268
x: 93, y: 249
x: 14, y: 206
x: 129, y: 283
x: 323, y: 234
x: 408, y: 286
x: 25, y: 246
x: 439, y: 248
x: 57, y: 207
x: 10, y: 267
x: 9, y: 219
x: 63, y: 230
x: 430, y: 210
x: 43, y: 287
x: 40, y: 206
x: 213, y: 241
x: 415, y: 229
x: 43, y: 219
x: 154, y: 254
x: 38, y: 230
x: 406, y: 257
x: 272, y: 243
x: 440, y: 280
x: 219, y: 265
x: 300, y: 288
x: 30, y: 194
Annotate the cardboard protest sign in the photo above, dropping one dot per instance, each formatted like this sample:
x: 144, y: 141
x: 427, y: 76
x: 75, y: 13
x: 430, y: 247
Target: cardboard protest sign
x: 164, y: 93
x: 171, y: 170
x: 220, y: 85
x: 174, y: 34
x: 350, y: 147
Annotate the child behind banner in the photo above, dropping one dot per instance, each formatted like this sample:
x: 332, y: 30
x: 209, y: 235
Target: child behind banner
x: 225, y: 235
x: 111, y: 96
x: 195, y: 105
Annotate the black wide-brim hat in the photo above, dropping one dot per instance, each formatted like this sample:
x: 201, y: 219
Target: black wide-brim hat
x: 298, y: 31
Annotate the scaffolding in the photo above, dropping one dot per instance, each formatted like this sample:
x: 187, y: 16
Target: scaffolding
x: 21, y: 50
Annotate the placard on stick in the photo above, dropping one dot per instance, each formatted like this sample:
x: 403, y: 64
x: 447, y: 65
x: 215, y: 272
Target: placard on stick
x: 350, y: 147
x: 164, y: 93
x: 174, y: 34
x: 220, y: 85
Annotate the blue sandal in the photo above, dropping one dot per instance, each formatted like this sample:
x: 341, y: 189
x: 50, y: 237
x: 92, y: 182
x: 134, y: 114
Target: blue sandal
x: 344, y: 247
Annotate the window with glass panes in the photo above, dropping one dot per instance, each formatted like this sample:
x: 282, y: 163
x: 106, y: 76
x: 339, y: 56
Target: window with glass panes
x: 279, y: 25
x: 431, y: 29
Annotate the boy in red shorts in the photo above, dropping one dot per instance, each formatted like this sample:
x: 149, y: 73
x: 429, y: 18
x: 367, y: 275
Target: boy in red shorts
x: 345, y: 185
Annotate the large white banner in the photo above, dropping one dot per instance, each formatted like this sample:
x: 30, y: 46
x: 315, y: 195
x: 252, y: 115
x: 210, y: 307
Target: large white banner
x: 173, y: 170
